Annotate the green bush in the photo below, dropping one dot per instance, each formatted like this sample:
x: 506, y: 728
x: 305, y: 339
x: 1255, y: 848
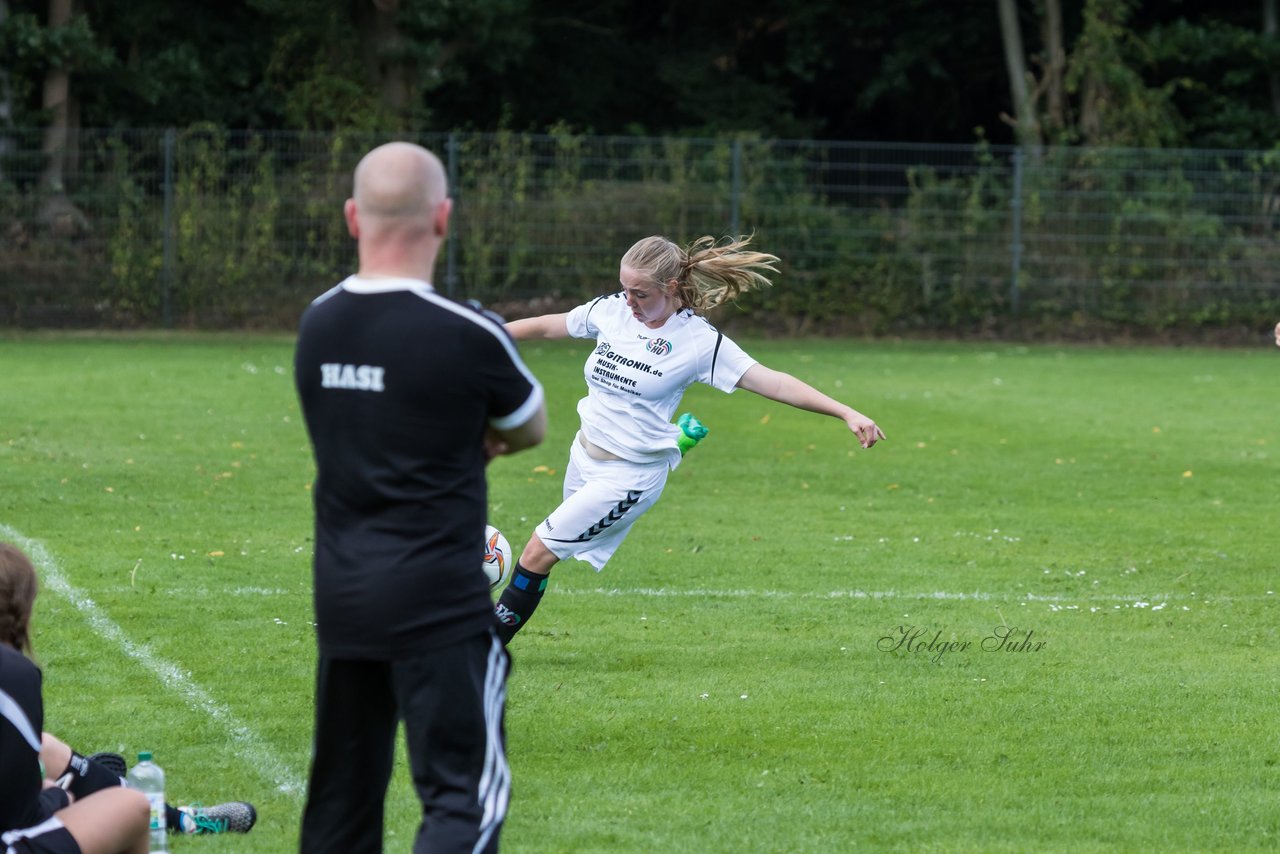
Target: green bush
x: 249, y: 228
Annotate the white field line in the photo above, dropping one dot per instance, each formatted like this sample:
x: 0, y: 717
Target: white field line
x: 1133, y: 600
x: 252, y: 750
x: 1139, y: 601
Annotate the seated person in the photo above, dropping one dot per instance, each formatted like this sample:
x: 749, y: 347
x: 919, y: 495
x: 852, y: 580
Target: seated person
x: 86, y: 809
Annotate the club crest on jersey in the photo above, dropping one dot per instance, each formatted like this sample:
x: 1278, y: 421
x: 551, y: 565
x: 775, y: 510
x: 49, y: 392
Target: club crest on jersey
x: 658, y: 346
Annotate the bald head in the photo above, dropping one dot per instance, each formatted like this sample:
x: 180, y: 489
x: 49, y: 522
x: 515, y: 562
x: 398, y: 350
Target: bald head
x: 399, y: 210
x: 399, y: 180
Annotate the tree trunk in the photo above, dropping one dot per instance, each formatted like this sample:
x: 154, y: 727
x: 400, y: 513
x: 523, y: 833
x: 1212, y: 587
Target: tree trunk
x: 1016, y: 64
x: 56, y: 212
x: 383, y: 44
x: 57, y: 87
x: 6, y: 93
x: 1271, y: 29
x: 1055, y: 67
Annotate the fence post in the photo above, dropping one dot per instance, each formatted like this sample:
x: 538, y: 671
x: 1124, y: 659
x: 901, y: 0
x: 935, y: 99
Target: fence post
x: 735, y: 189
x: 166, y: 267
x: 1015, y: 205
x: 450, y: 261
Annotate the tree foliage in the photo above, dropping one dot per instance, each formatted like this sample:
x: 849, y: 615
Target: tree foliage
x: 1122, y: 72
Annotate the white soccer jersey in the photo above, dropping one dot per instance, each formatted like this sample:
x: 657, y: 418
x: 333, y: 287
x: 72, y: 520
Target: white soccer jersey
x: 637, y: 375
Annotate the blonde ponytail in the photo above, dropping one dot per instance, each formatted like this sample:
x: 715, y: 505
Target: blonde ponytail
x: 707, y: 273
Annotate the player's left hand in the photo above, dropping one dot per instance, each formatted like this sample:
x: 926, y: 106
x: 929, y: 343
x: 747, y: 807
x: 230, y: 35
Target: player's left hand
x: 867, y: 431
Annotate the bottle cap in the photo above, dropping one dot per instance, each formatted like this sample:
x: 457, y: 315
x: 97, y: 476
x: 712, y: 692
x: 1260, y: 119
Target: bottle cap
x: 145, y: 756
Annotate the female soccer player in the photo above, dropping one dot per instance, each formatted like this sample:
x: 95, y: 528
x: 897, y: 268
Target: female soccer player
x: 651, y: 345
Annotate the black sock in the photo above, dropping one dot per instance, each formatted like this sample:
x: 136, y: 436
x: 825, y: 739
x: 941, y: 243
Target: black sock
x: 516, y: 604
x: 83, y: 777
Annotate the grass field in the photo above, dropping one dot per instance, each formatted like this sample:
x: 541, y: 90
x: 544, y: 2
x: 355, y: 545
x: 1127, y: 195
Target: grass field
x: 1041, y: 616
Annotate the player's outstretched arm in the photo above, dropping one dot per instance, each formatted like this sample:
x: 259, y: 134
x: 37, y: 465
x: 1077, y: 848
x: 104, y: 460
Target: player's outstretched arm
x: 785, y: 388
x: 546, y: 326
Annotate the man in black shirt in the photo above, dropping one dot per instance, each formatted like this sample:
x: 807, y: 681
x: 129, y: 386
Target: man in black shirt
x: 406, y: 396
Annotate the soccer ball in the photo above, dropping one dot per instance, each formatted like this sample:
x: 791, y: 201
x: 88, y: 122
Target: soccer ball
x: 497, y: 557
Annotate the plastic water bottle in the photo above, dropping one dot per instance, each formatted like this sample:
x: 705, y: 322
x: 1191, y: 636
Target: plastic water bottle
x: 148, y: 778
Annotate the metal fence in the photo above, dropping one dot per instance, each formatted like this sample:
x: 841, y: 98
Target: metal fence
x: 210, y: 228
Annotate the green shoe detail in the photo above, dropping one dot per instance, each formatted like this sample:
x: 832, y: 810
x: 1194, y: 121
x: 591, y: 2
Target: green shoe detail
x: 233, y: 817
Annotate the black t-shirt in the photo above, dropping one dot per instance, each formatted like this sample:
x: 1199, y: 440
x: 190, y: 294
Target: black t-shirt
x: 21, y: 720
x: 397, y: 386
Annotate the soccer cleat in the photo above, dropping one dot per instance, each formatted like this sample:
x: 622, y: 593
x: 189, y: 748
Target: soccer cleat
x: 232, y: 817
x: 113, y: 762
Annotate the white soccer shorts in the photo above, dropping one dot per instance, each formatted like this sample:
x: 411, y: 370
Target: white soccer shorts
x: 602, y: 500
